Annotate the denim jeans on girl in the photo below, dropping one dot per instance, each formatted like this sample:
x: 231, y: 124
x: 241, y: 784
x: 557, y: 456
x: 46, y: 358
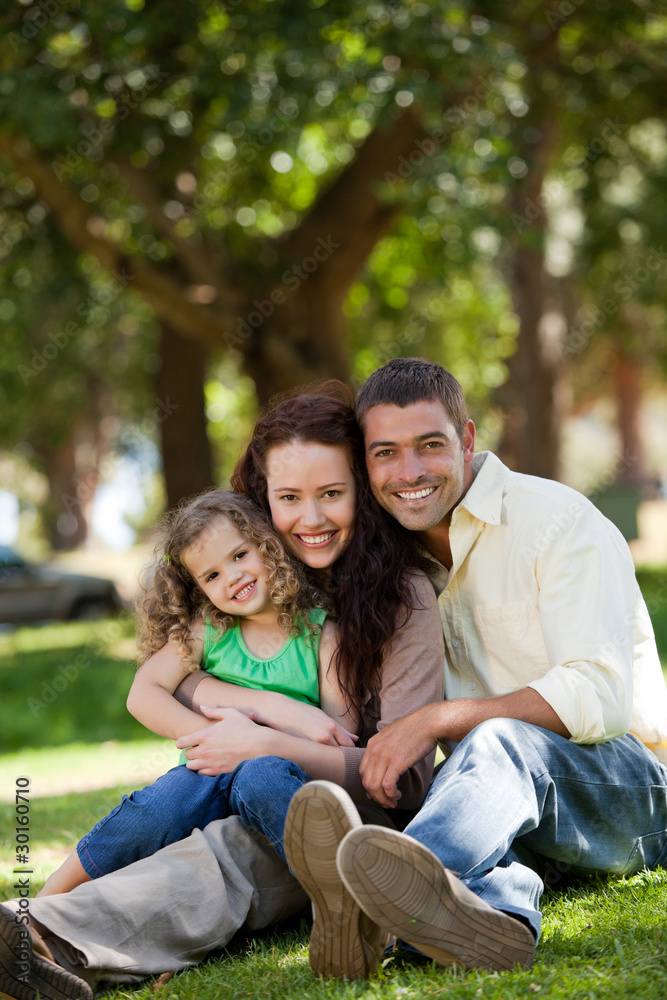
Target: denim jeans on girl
x: 516, y: 806
x: 181, y: 801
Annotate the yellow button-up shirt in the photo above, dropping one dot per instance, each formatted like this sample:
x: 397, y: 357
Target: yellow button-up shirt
x: 542, y: 593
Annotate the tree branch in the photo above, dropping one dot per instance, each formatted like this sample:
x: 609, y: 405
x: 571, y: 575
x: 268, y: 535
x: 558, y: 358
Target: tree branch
x: 205, y: 325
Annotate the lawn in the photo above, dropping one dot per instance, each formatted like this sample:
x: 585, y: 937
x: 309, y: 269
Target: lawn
x: 64, y: 724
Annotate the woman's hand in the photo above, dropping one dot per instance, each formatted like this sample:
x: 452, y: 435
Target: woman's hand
x: 219, y: 748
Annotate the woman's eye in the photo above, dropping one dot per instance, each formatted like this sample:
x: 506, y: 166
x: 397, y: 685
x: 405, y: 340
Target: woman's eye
x: 331, y: 494
x: 289, y: 497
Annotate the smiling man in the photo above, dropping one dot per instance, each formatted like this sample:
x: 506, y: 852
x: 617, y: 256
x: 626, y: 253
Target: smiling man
x: 554, y: 692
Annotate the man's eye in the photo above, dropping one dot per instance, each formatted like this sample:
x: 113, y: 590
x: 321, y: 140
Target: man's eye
x: 383, y: 453
x: 433, y: 444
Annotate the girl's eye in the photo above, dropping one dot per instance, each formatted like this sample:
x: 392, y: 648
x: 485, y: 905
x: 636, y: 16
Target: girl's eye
x: 240, y: 555
x: 211, y: 576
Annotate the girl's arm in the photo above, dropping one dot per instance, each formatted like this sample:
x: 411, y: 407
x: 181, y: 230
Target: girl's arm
x: 296, y: 718
x: 151, y: 698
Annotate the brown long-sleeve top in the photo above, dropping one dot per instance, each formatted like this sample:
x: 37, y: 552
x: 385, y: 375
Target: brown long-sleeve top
x: 412, y: 676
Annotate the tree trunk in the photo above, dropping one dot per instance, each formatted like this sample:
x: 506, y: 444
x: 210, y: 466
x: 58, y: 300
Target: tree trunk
x: 530, y: 400
x: 180, y: 414
x: 73, y: 473
x: 627, y: 380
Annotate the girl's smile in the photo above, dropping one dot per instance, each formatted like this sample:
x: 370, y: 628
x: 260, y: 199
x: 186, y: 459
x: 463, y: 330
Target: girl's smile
x: 230, y: 570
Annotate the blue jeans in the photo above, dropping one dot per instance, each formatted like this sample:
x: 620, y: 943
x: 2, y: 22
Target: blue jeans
x: 181, y: 801
x: 516, y: 806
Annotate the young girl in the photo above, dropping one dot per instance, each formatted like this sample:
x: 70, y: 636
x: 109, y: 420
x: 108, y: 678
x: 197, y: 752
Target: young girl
x: 224, y: 595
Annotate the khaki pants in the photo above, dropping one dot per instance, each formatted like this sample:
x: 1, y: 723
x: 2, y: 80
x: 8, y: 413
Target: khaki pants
x: 170, y: 910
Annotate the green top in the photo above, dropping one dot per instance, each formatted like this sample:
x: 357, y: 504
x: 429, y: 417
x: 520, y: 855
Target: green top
x: 293, y: 670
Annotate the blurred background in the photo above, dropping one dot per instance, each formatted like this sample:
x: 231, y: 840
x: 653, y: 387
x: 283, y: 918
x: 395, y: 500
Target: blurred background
x: 205, y: 203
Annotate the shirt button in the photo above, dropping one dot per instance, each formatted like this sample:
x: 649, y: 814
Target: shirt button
x: 455, y: 642
x: 445, y: 594
x: 471, y: 686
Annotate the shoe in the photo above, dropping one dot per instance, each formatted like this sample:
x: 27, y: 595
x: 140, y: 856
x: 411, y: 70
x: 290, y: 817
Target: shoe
x: 24, y: 975
x: 344, y: 943
x: 403, y: 886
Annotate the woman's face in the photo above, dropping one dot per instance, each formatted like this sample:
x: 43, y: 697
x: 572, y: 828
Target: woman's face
x: 312, y: 494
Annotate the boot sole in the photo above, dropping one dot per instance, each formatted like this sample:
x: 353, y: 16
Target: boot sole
x: 45, y: 978
x: 344, y: 943
x: 403, y: 886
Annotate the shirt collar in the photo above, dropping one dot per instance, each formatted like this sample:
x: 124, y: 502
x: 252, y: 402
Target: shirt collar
x: 484, y: 499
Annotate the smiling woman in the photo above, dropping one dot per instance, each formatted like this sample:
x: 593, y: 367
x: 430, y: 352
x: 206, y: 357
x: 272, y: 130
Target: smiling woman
x: 316, y: 515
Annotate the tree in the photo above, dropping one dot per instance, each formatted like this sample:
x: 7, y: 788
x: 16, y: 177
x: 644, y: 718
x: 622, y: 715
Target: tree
x: 239, y: 178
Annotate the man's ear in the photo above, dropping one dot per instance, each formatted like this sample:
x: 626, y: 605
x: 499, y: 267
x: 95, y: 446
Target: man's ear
x: 468, y: 441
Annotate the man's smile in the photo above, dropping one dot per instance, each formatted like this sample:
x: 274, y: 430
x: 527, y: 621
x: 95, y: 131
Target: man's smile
x: 416, y: 494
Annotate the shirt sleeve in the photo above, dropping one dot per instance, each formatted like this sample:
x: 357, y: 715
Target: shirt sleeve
x: 412, y: 676
x: 587, y: 604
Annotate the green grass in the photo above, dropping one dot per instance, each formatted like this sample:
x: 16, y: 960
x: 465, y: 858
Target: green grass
x: 603, y: 939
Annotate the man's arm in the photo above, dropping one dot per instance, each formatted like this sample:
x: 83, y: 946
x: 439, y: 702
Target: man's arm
x: 406, y: 741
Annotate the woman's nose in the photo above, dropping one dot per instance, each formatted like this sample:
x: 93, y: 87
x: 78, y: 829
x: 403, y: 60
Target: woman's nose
x: 312, y: 515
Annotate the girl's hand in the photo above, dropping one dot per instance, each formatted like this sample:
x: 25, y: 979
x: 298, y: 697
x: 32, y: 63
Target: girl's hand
x: 218, y: 749
x: 305, y: 721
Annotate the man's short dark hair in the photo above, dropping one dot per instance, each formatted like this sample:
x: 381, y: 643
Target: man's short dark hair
x: 403, y: 381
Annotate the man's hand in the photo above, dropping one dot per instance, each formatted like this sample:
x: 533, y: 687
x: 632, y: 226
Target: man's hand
x: 390, y: 753
x: 220, y: 748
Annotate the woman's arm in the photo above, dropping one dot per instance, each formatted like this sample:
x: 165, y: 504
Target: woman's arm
x: 151, y: 699
x: 268, y: 708
x: 413, y: 675
x: 333, y: 700
x: 235, y: 738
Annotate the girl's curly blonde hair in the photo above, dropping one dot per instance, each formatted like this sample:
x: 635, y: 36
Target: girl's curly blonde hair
x: 174, y: 603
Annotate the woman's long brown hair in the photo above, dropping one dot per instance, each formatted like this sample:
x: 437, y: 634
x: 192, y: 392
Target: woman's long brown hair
x: 370, y: 585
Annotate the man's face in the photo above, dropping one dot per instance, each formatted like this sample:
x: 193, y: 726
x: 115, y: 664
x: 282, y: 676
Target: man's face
x: 418, y: 466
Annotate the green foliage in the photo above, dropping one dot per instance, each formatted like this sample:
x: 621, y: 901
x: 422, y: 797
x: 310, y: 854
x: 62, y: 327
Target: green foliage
x: 240, y: 116
x: 66, y: 683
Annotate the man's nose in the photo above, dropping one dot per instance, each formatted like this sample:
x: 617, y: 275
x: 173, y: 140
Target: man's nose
x: 411, y: 468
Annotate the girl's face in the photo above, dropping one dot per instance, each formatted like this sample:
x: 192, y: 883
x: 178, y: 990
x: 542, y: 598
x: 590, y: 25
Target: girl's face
x: 312, y: 494
x: 229, y: 569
